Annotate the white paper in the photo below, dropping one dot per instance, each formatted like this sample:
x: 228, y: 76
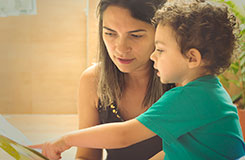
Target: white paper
x: 8, y: 130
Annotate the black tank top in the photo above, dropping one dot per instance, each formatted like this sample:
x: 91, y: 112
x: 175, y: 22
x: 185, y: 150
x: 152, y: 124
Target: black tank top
x: 139, y: 151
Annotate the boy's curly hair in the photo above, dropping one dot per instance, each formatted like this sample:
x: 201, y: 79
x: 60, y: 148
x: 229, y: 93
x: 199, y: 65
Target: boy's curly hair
x: 206, y: 26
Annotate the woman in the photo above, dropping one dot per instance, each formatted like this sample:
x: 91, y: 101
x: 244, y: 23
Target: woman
x: 123, y: 84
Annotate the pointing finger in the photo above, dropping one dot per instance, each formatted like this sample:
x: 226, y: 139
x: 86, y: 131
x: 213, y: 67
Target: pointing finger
x: 36, y: 146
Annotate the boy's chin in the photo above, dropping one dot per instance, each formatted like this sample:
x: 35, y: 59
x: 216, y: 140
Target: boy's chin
x: 164, y: 81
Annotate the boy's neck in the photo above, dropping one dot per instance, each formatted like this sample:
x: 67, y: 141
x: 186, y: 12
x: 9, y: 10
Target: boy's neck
x: 193, y: 76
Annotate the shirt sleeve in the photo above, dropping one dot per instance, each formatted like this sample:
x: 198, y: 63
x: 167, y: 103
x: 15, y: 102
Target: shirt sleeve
x: 172, y: 115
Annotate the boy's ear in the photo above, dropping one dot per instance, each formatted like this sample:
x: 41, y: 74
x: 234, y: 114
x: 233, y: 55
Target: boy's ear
x: 194, y: 58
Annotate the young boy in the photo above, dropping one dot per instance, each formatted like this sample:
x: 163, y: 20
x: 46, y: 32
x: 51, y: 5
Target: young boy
x: 196, y: 120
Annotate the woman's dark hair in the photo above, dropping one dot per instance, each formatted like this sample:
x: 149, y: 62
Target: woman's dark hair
x: 206, y: 26
x: 143, y: 10
x: 111, y: 81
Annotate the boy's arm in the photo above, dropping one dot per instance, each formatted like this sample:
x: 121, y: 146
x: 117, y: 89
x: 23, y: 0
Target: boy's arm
x: 112, y: 135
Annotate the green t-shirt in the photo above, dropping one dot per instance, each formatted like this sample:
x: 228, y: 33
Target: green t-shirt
x: 196, y: 121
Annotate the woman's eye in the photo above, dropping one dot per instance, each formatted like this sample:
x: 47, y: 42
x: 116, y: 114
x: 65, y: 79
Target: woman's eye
x: 136, y: 36
x: 109, y: 34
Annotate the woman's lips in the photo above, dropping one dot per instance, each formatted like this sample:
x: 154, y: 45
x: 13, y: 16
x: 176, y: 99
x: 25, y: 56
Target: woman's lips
x: 125, y: 61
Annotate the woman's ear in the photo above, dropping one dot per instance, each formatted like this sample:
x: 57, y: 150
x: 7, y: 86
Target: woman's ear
x: 194, y: 58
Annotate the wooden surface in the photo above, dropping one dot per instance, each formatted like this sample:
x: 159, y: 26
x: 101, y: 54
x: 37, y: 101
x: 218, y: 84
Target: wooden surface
x: 40, y: 128
x: 42, y: 56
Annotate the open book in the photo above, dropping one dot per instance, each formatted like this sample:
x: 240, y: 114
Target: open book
x: 12, y: 144
x: 10, y: 150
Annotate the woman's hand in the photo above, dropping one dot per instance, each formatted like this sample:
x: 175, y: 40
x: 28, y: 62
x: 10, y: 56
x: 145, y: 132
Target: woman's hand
x: 53, y: 149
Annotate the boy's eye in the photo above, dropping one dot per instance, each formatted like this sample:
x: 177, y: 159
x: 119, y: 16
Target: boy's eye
x: 136, y: 36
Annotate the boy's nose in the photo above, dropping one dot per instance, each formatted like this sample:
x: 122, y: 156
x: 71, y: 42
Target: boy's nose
x: 153, y: 57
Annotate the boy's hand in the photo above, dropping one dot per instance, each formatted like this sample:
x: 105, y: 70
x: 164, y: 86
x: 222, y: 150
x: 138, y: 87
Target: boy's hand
x: 52, y: 150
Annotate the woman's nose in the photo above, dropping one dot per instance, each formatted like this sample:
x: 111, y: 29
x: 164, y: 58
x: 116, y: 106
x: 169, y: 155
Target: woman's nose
x: 122, y: 46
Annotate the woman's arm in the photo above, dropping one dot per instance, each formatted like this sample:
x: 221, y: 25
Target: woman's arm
x: 87, y: 112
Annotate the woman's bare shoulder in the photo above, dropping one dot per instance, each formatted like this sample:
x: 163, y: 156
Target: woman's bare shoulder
x: 91, y: 72
x: 89, y: 84
x: 90, y: 76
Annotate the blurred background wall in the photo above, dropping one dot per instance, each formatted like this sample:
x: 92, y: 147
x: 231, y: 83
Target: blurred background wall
x: 43, y: 55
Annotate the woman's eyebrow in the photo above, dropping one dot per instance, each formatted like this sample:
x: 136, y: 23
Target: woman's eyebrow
x: 138, y: 30
x: 109, y: 29
x: 134, y: 31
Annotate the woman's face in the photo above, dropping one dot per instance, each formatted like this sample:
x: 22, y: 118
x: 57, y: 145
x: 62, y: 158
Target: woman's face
x: 129, y: 41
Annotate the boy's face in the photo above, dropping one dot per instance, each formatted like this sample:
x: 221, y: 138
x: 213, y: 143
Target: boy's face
x: 172, y: 66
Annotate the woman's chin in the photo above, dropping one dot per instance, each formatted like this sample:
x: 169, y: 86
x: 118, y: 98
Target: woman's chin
x: 124, y: 70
